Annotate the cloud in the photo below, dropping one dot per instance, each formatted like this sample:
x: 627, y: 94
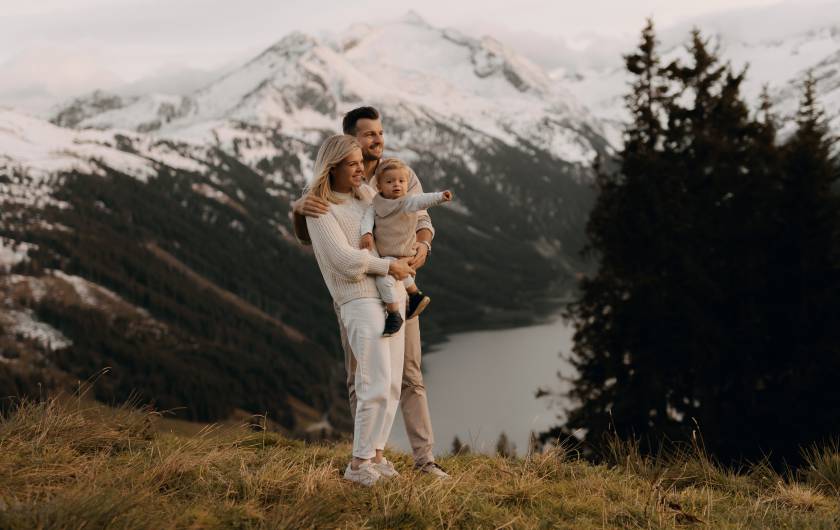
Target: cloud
x: 36, y: 78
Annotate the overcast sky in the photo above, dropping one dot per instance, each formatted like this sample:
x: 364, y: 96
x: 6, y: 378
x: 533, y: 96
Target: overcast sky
x: 133, y: 38
x: 68, y: 45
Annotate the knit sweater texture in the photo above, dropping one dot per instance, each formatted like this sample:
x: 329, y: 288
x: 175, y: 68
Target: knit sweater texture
x: 393, y: 222
x: 335, y: 238
x: 424, y: 222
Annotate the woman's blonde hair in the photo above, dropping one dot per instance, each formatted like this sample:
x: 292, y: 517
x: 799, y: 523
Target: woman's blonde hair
x: 331, y: 153
x: 389, y: 164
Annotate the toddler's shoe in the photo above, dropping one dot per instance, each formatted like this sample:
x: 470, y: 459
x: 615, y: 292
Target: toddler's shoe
x: 393, y: 323
x: 417, y: 302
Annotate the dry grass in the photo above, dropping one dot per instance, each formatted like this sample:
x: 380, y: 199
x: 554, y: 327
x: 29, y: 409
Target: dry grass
x: 823, y: 467
x: 83, y: 466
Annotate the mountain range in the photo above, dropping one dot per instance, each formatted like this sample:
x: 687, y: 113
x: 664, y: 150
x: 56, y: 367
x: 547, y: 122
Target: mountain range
x: 150, y: 234
x: 777, y: 44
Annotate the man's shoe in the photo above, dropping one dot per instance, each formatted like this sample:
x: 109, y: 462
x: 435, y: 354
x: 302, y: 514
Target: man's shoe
x: 366, y: 475
x: 393, y: 323
x: 386, y: 469
x: 434, y: 469
x: 417, y: 302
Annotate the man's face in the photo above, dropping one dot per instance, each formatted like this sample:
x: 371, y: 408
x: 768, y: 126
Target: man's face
x: 393, y: 183
x: 371, y: 137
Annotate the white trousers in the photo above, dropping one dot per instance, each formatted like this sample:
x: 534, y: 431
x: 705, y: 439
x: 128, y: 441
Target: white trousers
x: 387, y: 286
x: 378, y: 378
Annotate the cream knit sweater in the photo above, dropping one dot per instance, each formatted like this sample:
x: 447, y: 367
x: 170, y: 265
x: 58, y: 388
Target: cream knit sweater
x: 335, y: 241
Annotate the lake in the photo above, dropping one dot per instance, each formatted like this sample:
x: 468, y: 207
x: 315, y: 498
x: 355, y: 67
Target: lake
x: 483, y: 383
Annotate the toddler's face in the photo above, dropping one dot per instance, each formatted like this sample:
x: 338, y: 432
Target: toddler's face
x: 393, y: 183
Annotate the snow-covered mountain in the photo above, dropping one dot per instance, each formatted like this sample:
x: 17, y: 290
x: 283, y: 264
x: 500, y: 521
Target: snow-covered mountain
x: 779, y: 45
x: 417, y: 73
x: 447, y: 99
x: 178, y: 204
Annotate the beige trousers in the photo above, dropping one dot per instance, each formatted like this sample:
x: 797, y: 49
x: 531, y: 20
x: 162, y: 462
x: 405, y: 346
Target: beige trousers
x: 413, y: 402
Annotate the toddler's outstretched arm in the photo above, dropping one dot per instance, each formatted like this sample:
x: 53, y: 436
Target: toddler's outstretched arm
x: 421, y: 201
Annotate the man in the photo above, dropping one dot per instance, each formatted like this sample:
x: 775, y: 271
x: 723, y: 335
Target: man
x: 365, y: 124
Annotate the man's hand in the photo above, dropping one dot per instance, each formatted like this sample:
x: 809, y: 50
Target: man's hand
x: 310, y: 206
x: 447, y: 196
x: 421, y: 252
x: 400, y: 269
x: 366, y: 243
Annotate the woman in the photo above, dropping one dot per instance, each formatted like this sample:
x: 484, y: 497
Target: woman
x: 348, y: 272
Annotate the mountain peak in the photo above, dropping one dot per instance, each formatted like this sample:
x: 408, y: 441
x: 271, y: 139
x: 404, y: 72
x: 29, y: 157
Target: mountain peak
x: 414, y: 18
x: 295, y: 43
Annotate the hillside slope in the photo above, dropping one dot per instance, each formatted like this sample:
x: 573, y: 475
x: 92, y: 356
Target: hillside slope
x: 151, y: 234
x: 77, y: 467
x: 173, y: 264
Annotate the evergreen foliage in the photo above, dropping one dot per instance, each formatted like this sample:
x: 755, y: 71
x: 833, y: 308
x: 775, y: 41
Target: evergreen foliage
x: 459, y: 447
x: 504, y: 447
x: 715, y: 303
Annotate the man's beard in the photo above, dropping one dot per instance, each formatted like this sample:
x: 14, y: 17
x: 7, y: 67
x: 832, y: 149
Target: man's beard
x: 369, y: 156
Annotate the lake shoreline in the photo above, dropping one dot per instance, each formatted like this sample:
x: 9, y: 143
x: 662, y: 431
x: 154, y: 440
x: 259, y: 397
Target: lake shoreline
x: 543, y: 309
x: 484, y: 382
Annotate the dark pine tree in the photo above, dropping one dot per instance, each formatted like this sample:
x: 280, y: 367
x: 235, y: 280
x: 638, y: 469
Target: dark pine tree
x: 631, y: 231
x: 681, y: 324
x: 806, y: 282
x: 719, y: 291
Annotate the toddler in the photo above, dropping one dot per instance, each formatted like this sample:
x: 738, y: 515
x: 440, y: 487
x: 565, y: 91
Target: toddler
x: 391, y: 220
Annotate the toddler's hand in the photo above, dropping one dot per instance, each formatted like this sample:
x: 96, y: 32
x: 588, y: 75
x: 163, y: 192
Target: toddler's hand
x: 447, y: 196
x: 366, y: 243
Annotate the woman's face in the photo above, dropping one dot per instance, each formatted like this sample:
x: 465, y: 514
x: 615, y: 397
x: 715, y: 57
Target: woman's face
x: 348, y: 173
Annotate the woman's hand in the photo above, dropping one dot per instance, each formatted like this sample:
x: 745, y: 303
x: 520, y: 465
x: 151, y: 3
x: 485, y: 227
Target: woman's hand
x: 310, y: 206
x: 400, y: 269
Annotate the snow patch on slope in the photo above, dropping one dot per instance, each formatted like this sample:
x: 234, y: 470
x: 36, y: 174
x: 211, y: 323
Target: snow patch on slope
x: 33, y: 153
x: 24, y: 324
x: 40, y: 150
x: 13, y: 253
x: 89, y: 294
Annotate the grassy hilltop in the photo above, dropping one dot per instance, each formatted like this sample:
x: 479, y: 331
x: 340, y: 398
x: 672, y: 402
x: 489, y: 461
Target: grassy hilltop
x: 70, y: 465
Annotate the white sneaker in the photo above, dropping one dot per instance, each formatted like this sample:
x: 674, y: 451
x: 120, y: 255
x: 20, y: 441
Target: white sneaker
x: 386, y: 469
x: 434, y: 469
x: 366, y: 475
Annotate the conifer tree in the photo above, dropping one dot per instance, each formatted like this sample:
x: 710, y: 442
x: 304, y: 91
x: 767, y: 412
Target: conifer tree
x: 712, y: 145
x: 504, y: 447
x: 806, y: 262
x: 607, y: 315
x: 676, y: 328
x: 459, y: 448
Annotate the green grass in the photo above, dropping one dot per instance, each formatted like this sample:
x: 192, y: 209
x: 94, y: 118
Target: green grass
x: 70, y: 465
